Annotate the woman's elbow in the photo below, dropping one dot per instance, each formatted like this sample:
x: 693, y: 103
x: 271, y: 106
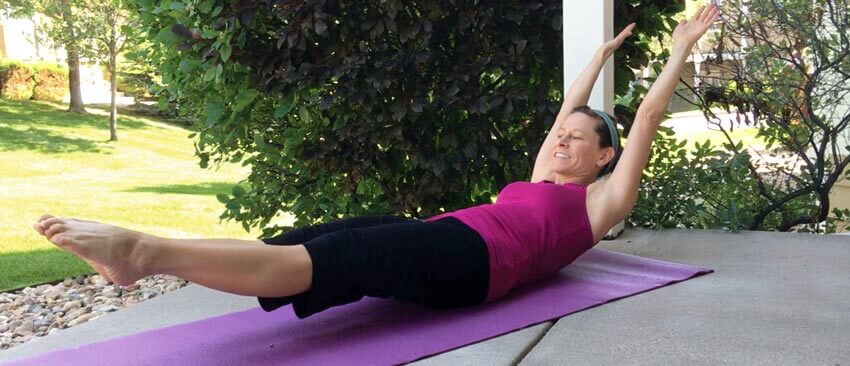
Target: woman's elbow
x: 650, y: 115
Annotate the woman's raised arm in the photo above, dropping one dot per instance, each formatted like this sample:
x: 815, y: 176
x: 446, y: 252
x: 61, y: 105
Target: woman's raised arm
x: 577, y: 95
x: 620, y: 192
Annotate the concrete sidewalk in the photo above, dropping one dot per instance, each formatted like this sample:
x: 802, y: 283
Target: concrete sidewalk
x: 774, y: 299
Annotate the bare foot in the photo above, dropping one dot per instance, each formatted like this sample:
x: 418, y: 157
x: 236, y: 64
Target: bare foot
x: 116, y: 253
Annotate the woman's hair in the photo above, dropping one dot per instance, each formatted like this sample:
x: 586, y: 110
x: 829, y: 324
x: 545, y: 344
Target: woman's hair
x: 605, y: 136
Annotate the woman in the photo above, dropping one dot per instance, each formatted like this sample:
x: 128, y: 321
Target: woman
x: 460, y: 258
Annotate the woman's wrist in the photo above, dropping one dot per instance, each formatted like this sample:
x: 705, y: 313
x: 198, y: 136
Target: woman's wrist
x: 682, y: 47
x: 679, y: 51
x: 602, y: 54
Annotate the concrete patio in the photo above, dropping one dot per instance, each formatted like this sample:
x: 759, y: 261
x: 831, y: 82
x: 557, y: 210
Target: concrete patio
x: 774, y: 299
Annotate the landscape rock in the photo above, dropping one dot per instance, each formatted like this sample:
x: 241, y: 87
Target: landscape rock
x: 105, y: 308
x: 71, y: 305
x: 45, y: 309
x: 82, y: 319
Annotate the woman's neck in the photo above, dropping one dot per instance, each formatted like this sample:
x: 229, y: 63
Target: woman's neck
x: 564, y: 179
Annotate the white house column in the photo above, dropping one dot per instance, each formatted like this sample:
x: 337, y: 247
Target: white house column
x: 588, y: 24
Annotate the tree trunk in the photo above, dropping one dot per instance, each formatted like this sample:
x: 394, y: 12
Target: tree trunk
x: 71, y: 47
x: 76, y: 104
x: 113, y: 85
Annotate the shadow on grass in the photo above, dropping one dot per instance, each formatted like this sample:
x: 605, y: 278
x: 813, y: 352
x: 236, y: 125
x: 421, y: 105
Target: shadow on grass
x: 44, y: 141
x: 21, y: 269
x: 29, y: 126
x: 146, y: 111
x: 201, y: 189
x: 47, y: 115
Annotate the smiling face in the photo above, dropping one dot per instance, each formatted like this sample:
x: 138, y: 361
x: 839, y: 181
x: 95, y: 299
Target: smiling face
x: 577, y: 154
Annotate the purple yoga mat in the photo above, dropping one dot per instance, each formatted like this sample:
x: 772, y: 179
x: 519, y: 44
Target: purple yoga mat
x: 377, y: 331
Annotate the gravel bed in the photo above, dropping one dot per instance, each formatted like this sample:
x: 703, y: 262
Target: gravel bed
x: 46, y: 309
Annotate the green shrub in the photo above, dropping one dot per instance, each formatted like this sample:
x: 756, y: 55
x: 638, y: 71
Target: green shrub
x: 16, y: 80
x: 707, y: 188
x: 134, y: 84
x: 51, y: 82
x: 345, y: 108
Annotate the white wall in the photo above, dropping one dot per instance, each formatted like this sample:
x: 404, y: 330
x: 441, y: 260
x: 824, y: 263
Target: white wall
x: 586, y: 25
x: 21, y: 45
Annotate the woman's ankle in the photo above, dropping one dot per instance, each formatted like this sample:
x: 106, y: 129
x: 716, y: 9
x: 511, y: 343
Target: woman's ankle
x: 147, y: 254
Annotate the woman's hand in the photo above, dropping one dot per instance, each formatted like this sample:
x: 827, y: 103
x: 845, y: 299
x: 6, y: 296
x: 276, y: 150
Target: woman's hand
x: 688, y: 32
x: 608, y: 48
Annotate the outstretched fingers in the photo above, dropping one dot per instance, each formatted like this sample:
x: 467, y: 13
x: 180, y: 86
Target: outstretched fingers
x: 688, y: 32
x: 626, y: 32
x: 706, y: 15
x: 699, y: 12
x: 712, y: 16
x: 609, y: 47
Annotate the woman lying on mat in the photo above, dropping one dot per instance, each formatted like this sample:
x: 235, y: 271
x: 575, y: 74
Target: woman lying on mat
x: 460, y: 258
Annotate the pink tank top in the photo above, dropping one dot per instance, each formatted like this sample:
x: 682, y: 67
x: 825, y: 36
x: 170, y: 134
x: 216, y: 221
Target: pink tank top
x: 532, y: 231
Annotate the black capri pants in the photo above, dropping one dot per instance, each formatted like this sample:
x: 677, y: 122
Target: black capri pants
x: 439, y: 264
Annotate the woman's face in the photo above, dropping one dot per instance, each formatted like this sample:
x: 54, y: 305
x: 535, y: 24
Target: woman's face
x: 577, y: 151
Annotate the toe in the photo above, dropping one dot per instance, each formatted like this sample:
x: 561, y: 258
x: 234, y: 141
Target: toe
x: 57, y: 240
x: 53, y: 225
x: 38, y: 228
x: 55, y: 229
x: 71, y: 245
x: 47, y: 223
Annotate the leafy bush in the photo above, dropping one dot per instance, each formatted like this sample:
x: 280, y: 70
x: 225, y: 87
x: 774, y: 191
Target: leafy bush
x: 16, y: 80
x: 707, y: 188
x: 134, y: 84
x: 51, y: 82
x: 792, y: 83
x: 345, y: 108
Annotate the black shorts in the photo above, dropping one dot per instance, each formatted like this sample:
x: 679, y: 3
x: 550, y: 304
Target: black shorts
x: 439, y: 264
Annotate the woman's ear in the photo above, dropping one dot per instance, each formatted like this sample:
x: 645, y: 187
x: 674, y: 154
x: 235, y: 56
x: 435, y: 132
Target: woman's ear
x: 606, y: 157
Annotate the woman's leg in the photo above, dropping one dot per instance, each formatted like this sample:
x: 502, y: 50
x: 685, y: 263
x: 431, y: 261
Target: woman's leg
x: 303, y: 234
x: 237, y: 266
x: 438, y: 264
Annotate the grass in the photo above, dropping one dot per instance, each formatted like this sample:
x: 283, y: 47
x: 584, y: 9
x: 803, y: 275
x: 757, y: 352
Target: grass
x: 745, y: 135
x: 59, y: 163
x: 691, y: 126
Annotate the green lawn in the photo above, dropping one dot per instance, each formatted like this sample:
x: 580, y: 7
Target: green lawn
x: 745, y: 135
x: 55, y: 162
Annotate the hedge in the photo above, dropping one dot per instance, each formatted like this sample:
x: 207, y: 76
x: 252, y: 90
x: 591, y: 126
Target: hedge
x: 346, y: 108
x: 39, y: 81
x: 16, y: 81
x: 51, y: 82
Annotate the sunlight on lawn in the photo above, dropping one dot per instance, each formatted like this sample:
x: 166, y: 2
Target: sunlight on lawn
x: 692, y: 126
x: 54, y: 162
